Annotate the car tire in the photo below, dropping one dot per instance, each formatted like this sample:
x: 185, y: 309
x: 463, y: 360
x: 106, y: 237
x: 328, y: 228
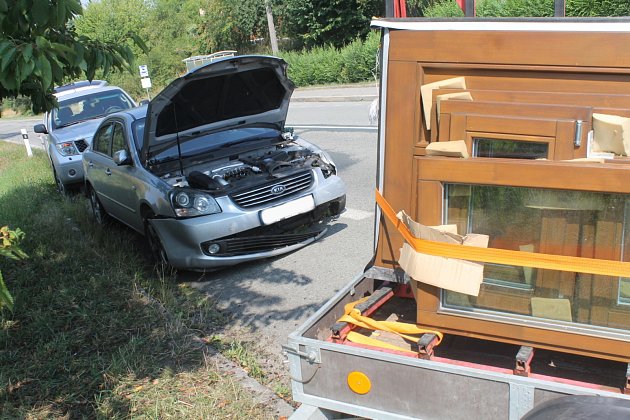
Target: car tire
x: 60, y: 186
x: 98, y: 212
x: 158, y: 253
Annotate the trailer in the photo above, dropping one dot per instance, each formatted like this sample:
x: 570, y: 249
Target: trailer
x: 500, y: 282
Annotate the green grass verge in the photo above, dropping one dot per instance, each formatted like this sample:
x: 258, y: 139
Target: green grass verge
x: 95, y: 332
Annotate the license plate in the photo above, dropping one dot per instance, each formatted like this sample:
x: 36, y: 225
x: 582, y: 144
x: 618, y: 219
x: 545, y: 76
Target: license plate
x: 286, y: 210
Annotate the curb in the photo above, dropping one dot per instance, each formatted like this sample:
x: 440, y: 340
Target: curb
x: 346, y: 98
x: 262, y: 395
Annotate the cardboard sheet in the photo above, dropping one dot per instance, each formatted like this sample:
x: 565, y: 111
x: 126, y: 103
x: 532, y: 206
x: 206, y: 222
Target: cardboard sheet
x: 447, y: 273
x: 456, y: 148
x: 611, y: 133
x: 559, y: 309
x: 427, y: 96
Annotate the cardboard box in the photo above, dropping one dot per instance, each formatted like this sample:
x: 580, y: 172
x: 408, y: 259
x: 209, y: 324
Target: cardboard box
x: 447, y: 273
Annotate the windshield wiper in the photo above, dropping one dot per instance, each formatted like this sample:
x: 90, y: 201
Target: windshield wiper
x: 69, y: 124
x: 157, y: 161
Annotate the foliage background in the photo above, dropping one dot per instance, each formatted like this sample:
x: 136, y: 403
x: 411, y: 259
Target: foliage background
x: 527, y: 8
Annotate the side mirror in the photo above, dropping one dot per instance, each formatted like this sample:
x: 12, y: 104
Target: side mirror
x: 122, y: 157
x: 40, y: 128
x: 143, y: 102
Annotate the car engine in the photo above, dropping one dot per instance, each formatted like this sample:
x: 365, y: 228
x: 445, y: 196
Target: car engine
x: 254, y: 167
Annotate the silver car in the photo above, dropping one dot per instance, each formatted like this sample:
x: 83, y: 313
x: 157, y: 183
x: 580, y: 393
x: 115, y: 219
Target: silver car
x: 70, y: 127
x: 208, y: 173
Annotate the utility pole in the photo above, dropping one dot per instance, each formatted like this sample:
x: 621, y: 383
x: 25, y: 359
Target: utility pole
x: 272, y: 28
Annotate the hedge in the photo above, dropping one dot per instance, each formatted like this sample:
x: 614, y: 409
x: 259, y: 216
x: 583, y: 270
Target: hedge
x: 355, y: 62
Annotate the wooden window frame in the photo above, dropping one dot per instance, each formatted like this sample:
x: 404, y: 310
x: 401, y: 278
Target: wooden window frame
x: 433, y: 172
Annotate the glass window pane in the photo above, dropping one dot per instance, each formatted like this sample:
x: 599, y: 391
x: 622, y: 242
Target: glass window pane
x: 103, y: 139
x: 118, y: 139
x: 574, y: 223
x: 509, y: 149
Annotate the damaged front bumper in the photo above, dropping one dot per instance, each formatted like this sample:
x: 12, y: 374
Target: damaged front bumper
x: 236, y: 236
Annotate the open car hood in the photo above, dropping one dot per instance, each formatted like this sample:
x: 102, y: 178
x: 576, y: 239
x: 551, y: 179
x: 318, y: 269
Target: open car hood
x: 231, y: 92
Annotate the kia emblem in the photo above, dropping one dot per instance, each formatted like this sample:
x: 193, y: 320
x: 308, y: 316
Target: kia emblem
x: 277, y: 189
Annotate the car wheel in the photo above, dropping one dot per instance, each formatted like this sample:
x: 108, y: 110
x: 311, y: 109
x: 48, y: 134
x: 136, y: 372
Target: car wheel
x: 61, y: 187
x: 99, y: 213
x: 158, y: 253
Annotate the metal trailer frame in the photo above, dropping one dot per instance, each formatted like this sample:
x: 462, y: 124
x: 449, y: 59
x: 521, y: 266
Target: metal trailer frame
x: 404, y: 387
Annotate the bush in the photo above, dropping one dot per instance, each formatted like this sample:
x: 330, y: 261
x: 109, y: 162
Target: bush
x: 445, y: 8
x: 593, y: 8
x: 20, y: 105
x: 9, y: 247
x: 532, y: 8
x: 355, y: 62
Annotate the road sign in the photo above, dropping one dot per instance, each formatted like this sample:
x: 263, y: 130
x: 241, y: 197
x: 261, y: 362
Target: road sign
x: 144, y: 71
x: 146, y: 82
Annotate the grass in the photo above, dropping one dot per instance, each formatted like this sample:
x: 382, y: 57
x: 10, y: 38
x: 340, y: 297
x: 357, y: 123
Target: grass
x: 96, y: 332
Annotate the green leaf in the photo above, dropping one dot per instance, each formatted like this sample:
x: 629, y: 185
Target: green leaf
x: 7, y: 58
x: 39, y: 12
x: 4, y: 45
x: 42, y: 42
x: 5, y: 297
x: 27, y: 52
x: 44, y: 66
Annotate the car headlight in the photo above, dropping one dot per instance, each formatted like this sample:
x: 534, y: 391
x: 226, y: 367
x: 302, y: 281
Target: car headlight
x: 67, y: 149
x: 332, y: 168
x: 190, y: 203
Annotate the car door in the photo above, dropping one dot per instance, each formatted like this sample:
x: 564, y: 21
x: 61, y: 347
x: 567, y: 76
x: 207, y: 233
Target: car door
x: 99, y: 162
x: 123, y: 183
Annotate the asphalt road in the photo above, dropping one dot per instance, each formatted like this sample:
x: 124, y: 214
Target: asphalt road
x: 273, y: 297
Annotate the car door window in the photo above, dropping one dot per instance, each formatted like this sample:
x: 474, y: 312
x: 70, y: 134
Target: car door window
x: 118, y: 138
x: 103, y: 140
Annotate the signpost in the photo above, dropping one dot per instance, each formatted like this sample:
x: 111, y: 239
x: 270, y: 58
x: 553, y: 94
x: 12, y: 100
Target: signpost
x: 27, y: 144
x: 145, y: 81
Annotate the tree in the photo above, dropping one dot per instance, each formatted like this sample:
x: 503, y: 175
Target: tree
x: 169, y: 27
x: 232, y: 25
x: 335, y: 22
x: 40, y: 48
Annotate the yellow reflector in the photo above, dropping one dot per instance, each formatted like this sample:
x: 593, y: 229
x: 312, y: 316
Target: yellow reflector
x: 359, y: 382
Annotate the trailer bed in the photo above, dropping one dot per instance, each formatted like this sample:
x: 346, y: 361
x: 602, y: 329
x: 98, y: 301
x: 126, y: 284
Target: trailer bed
x: 464, y: 377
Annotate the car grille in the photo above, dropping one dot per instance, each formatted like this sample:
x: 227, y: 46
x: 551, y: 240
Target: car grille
x: 260, y: 243
x: 81, y: 145
x: 281, y: 188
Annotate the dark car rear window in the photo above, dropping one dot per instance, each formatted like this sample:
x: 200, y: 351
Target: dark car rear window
x: 209, y: 100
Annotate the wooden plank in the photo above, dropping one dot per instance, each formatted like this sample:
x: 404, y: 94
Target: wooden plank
x: 525, y: 173
x: 599, y: 101
x: 399, y: 186
x: 525, y: 48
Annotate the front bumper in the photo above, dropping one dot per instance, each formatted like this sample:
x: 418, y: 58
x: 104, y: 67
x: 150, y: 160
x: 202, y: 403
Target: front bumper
x: 69, y: 168
x: 186, y: 241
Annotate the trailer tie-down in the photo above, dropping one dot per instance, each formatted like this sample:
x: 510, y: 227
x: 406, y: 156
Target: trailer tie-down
x: 425, y: 343
x: 505, y: 256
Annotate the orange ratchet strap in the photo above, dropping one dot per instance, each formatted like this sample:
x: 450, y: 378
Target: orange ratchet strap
x: 505, y: 256
x: 402, y: 329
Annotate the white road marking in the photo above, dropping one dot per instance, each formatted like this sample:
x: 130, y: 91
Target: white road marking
x: 357, y: 214
x: 333, y: 127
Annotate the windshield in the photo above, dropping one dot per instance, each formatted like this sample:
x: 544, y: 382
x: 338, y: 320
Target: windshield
x: 95, y: 105
x: 226, y: 139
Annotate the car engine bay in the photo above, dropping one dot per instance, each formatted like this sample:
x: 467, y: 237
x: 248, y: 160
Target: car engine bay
x: 251, y: 168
